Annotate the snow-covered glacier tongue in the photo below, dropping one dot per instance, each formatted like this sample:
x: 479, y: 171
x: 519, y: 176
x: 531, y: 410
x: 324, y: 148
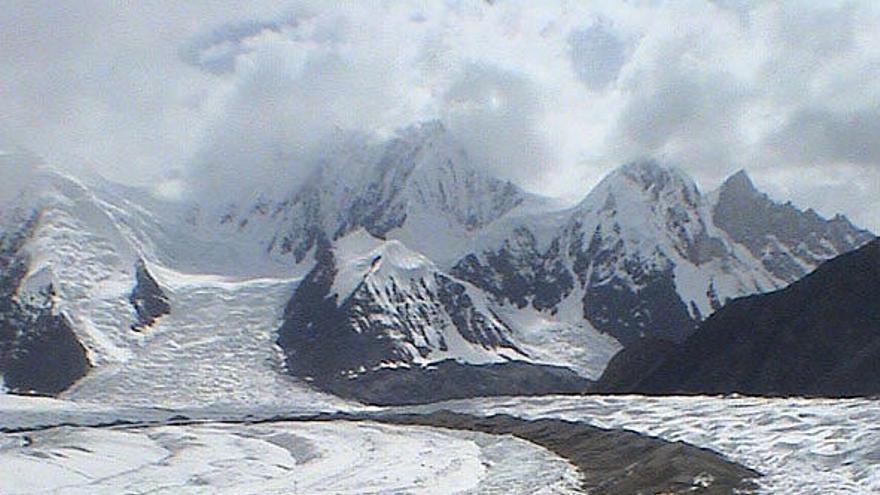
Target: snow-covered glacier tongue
x: 110, y: 295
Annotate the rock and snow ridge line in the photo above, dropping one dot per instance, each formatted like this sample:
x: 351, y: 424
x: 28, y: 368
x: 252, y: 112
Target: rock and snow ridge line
x: 643, y: 255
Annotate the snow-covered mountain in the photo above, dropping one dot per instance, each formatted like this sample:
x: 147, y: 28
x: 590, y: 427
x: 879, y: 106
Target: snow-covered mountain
x: 641, y: 255
x: 369, y: 304
x: 370, y: 308
x: 399, y: 265
x: 419, y: 187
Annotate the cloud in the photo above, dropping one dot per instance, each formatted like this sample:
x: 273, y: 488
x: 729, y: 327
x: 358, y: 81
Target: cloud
x: 17, y: 171
x: 822, y: 137
x: 241, y: 97
x: 597, y: 55
x: 495, y: 115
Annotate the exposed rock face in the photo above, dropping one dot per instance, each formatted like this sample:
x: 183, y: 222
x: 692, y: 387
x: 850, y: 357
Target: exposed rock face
x: 629, y: 367
x: 519, y: 272
x: 39, y: 352
x: 788, y: 241
x: 149, y: 302
x: 818, y: 337
x: 450, y: 379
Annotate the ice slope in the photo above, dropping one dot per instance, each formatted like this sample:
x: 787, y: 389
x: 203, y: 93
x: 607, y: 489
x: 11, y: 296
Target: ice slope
x: 184, y: 235
x: 217, y: 343
x: 216, y: 346
x: 803, y: 446
x: 314, y: 458
x: 77, y: 249
x: 554, y: 339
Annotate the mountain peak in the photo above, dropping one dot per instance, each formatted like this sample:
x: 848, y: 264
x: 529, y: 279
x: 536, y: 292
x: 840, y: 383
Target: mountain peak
x: 787, y: 240
x: 651, y: 175
x: 740, y: 181
x: 644, y: 182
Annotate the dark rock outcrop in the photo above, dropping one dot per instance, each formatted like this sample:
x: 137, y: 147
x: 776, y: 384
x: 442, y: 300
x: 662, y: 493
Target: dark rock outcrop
x: 447, y: 380
x: 39, y: 351
x: 149, y: 302
x: 629, y: 367
x: 818, y: 337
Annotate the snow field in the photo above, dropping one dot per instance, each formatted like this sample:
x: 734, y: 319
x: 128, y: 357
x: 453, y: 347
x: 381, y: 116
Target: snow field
x: 279, y: 458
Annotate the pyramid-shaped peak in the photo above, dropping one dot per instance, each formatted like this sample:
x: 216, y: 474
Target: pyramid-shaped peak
x: 649, y: 175
x: 643, y: 182
x: 652, y: 173
x: 740, y: 181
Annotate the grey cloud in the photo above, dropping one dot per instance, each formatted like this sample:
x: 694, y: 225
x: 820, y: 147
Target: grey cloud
x: 496, y: 115
x: 597, y: 54
x: 816, y: 136
x: 683, y: 113
x: 235, y: 96
x: 217, y: 50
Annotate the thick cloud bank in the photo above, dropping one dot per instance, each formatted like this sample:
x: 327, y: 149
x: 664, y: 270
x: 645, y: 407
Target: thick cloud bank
x: 236, y: 97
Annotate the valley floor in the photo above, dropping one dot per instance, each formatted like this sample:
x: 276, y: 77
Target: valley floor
x: 801, y: 446
x: 276, y: 458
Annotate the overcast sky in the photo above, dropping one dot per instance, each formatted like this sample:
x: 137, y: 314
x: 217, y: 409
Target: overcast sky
x: 552, y: 95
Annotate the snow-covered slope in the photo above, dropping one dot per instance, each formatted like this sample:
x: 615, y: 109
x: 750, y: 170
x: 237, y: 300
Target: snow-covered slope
x: 116, y: 274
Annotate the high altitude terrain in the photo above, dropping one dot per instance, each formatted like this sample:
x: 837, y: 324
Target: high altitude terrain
x: 412, y: 270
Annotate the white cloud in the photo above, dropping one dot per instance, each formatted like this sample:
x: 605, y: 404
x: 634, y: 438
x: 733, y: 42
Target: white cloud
x: 550, y: 94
